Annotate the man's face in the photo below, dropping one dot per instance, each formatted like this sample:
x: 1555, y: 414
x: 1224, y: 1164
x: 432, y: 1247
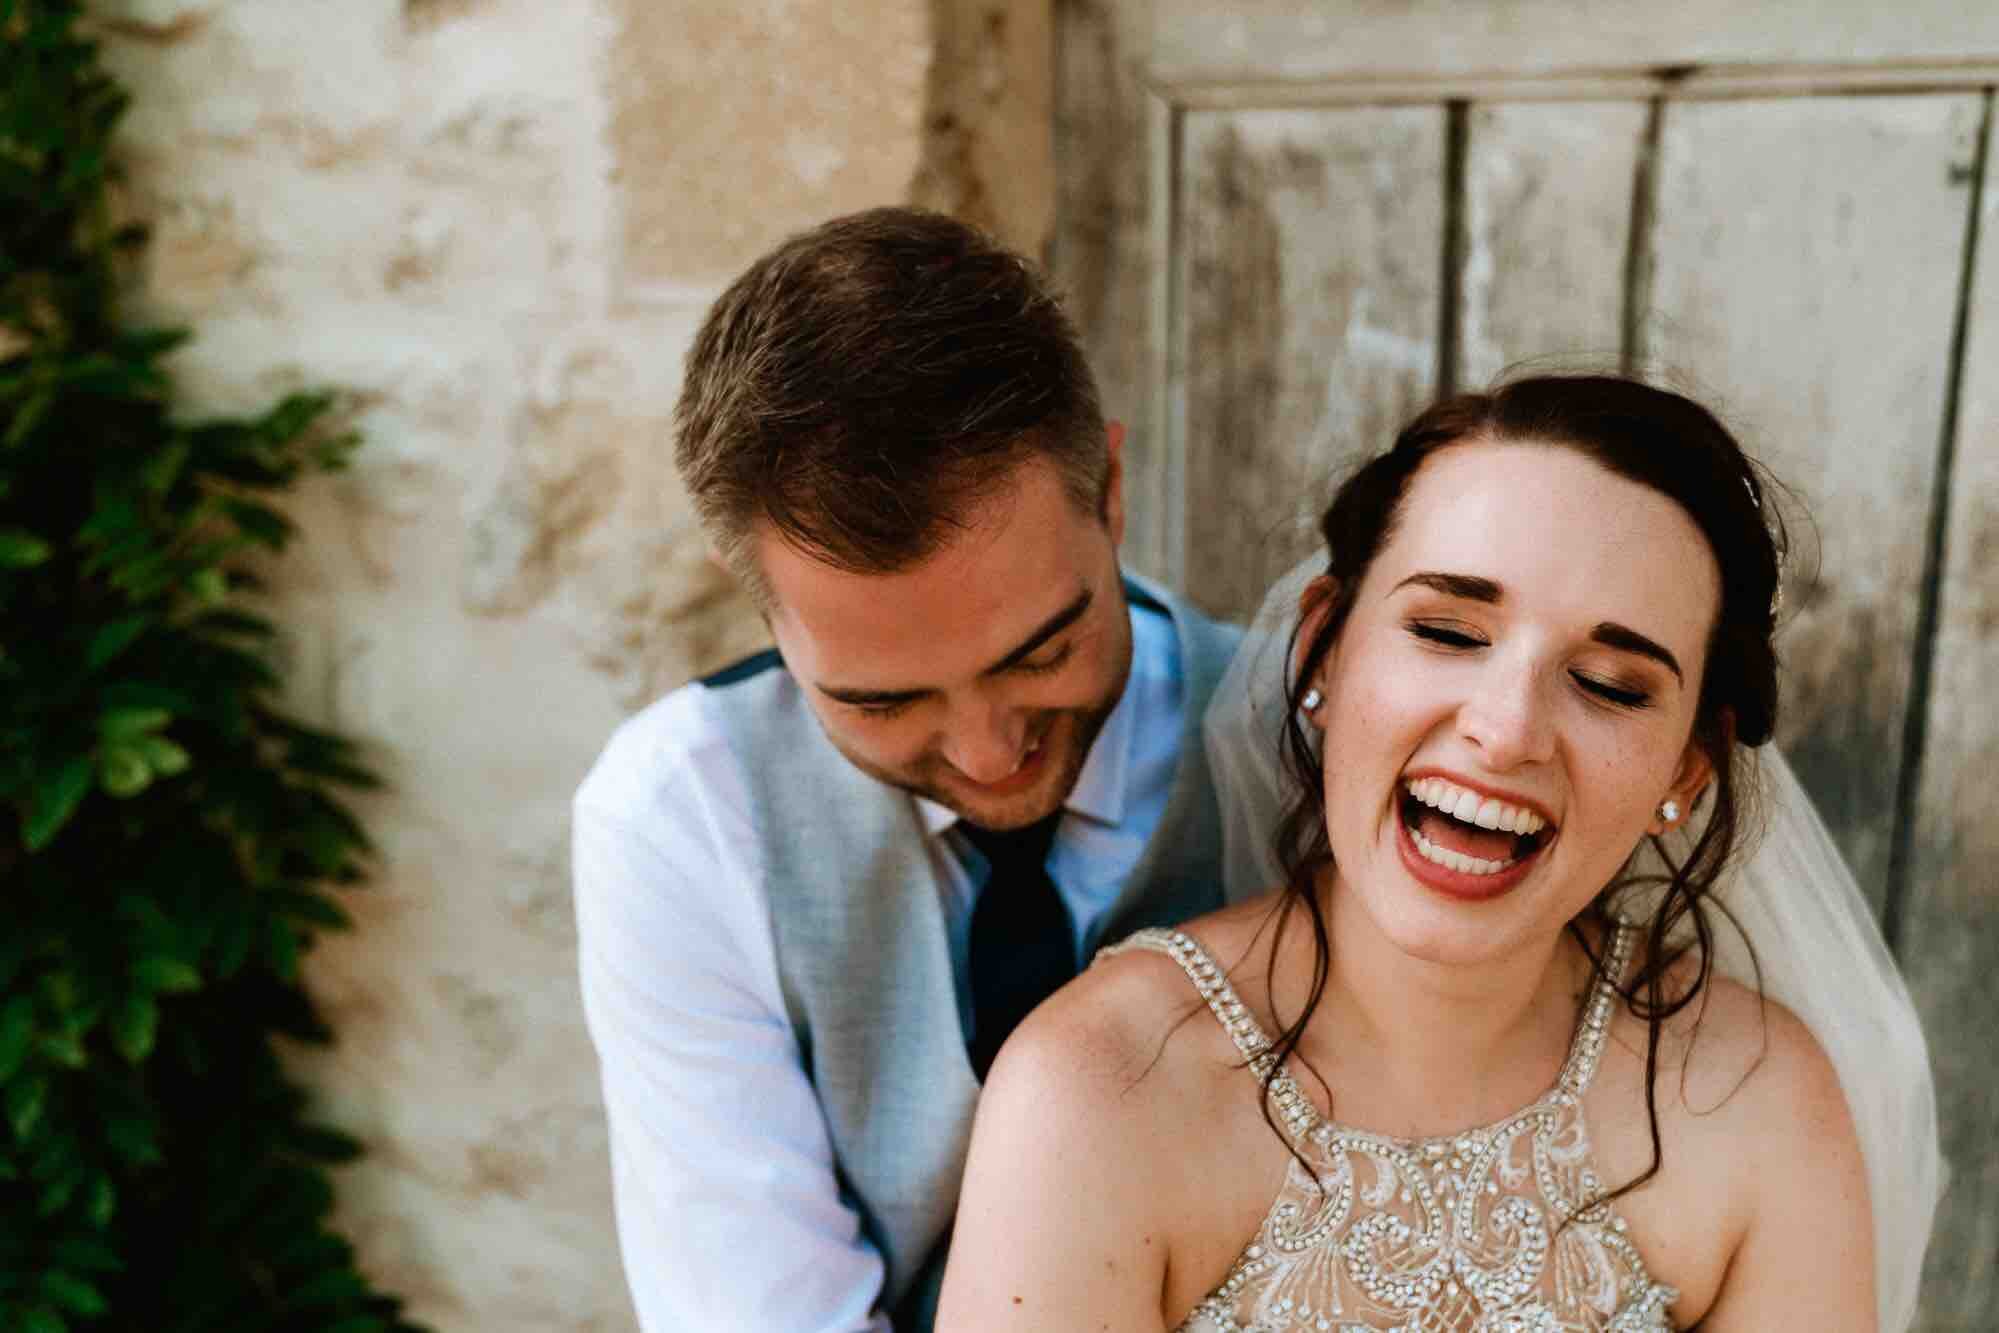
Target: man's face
x: 980, y: 677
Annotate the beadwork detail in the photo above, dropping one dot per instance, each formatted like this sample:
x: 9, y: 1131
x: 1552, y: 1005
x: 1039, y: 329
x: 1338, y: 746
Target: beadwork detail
x: 1460, y: 1234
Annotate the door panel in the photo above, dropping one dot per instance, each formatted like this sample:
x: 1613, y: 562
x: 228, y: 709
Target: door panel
x: 1280, y: 218
x: 1311, y: 299
x: 1950, y: 923
x: 1805, y: 261
x: 1548, y: 189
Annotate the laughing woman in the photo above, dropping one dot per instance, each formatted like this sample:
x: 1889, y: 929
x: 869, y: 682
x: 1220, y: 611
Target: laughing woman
x: 1475, y: 1069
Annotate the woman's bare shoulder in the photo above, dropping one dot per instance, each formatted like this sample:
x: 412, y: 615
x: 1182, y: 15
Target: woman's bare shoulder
x: 1130, y: 1037
x: 1735, y: 1045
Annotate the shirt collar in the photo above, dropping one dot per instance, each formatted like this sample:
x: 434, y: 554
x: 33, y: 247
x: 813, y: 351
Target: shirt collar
x: 1101, y: 788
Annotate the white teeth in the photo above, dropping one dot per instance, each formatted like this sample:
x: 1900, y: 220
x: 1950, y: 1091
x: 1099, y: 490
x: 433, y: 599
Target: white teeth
x: 1469, y: 806
x: 1458, y: 861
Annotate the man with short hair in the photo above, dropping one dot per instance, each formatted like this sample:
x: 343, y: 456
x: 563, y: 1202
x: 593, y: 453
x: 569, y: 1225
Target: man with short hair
x: 817, y: 889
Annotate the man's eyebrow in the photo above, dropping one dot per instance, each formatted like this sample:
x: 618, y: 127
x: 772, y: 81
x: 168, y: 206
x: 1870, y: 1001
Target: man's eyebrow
x: 1047, y: 630
x: 1468, y: 586
x: 1614, y: 635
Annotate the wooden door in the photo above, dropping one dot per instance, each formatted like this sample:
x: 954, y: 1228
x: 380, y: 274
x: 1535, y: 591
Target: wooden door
x: 1284, y: 226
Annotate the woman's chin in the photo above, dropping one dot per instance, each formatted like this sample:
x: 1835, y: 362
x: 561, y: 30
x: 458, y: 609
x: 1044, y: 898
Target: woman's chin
x: 1454, y: 926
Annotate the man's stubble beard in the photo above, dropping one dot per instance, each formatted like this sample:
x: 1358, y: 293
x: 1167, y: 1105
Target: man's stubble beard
x: 1046, y: 798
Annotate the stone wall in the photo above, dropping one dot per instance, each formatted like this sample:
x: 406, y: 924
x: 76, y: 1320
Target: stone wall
x: 495, y: 225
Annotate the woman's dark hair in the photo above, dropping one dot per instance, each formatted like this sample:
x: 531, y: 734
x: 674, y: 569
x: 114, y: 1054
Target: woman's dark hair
x: 1676, y: 447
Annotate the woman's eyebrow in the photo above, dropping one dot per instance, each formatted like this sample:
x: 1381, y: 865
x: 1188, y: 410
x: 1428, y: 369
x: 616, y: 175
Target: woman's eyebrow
x: 1613, y: 635
x: 1468, y: 586
x: 1608, y: 633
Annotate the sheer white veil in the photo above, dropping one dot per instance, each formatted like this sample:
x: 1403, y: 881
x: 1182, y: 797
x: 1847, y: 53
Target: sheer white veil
x: 1820, y: 951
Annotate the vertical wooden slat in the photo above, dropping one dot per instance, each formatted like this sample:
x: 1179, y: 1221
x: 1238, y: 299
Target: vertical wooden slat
x: 1805, y: 279
x: 1310, y: 311
x: 1548, y: 209
x: 1108, y: 256
x: 1950, y: 925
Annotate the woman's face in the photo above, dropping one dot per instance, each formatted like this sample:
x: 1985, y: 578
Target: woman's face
x: 1512, y: 696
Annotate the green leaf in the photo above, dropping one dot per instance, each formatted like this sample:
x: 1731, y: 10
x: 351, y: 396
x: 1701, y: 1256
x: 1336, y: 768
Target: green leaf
x: 25, y: 1099
x: 72, y: 1293
x: 134, y: 1137
x: 17, y: 1030
x: 161, y: 973
x: 316, y: 908
x: 41, y: 1319
x: 124, y: 771
x: 65, y: 1049
x: 86, y: 1254
x: 360, y: 1323
x: 336, y: 1286
x: 281, y: 949
x: 58, y: 991
x: 28, y: 418
x: 22, y: 550
x: 56, y: 1196
x: 122, y: 724
x: 57, y: 801
x: 232, y: 944
x: 101, y: 1205
x: 165, y: 468
x: 135, y: 1025
x: 165, y: 758
x: 259, y: 521
x: 113, y: 639
x: 207, y: 586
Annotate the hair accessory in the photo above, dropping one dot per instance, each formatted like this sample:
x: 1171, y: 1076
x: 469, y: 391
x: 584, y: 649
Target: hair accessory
x: 1310, y: 703
x: 1756, y: 499
x: 1669, y: 810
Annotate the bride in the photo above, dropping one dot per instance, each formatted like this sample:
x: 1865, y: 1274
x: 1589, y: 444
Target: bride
x: 1505, y: 1051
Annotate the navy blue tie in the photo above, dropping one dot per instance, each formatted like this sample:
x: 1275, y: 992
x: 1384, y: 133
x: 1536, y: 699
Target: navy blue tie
x: 1023, y: 943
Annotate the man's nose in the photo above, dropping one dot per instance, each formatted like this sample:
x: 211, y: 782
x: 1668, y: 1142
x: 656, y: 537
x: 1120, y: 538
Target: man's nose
x: 1508, y: 716
x: 985, y: 740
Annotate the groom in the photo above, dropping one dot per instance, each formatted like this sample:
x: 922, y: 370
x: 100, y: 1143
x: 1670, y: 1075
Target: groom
x: 817, y: 889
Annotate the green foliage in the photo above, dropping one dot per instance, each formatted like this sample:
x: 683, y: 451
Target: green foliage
x: 169, y: 840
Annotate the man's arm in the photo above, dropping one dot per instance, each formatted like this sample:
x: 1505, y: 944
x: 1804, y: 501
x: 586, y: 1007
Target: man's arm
x: 729, y: 1215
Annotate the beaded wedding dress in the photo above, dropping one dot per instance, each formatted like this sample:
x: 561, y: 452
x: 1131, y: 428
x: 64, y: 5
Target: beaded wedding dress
x: 1463, y: 1234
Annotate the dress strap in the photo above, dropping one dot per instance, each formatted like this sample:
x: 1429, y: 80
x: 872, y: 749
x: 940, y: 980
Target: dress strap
x: 1587, y: 1047
x: 1293, y: 1108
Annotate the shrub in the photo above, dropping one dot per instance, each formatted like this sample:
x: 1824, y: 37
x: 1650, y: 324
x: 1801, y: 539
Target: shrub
x: 170, y: 840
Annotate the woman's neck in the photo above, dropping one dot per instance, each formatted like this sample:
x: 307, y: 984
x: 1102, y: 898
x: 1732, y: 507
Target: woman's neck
x: 1419, y: 1048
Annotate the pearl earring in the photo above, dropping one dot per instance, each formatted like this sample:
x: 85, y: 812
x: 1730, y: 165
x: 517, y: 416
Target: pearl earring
x: 1310, y: 703
x: 1669, y: 810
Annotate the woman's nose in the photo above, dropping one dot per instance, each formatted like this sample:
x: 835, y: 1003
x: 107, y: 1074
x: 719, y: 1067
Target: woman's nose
x: 1507, y: 717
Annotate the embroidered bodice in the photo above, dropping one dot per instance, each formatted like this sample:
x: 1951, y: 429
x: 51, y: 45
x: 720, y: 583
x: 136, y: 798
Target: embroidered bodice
x: 1460, y: 1234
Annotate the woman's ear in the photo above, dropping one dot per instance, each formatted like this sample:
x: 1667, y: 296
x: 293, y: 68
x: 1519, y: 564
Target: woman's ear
x: 1315, y: 603
x: 1696, y: 771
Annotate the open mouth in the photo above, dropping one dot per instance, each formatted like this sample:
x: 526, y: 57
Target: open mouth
x: 1467, y: 832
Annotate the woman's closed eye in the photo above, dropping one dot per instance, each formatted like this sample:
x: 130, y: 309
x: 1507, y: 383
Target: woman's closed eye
x: 1459, y: 637
x: 1624, y: 696
x: 1446, y: 634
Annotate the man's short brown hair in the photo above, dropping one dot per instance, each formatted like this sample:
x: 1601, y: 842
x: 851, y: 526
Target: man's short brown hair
x: 863, y: 383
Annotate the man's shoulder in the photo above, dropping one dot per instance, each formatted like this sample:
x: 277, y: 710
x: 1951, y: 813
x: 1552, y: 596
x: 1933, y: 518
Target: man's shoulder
x: 677, y: 744
x: 1211, y: 637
